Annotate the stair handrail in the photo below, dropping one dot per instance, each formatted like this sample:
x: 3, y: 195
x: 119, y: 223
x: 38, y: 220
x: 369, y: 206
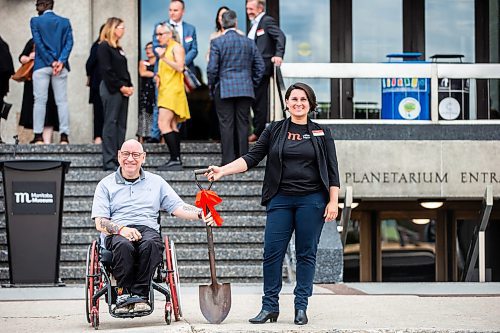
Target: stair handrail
x: 346, y: 215
x: 477, y: 244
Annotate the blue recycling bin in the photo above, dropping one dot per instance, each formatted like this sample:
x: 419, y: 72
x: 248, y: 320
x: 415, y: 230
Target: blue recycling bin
x: 406, y: 98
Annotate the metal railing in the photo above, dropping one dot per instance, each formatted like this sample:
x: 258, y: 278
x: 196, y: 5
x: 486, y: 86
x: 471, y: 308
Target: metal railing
x: 346, y: 215
x: 432, y: 71
x: 477, y: 245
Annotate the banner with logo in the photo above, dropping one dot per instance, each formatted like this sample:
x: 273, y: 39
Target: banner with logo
x: 31, y: 198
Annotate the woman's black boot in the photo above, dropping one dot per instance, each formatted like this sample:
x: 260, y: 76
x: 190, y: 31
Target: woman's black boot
x: 300, y: 317
x: 264, y: 316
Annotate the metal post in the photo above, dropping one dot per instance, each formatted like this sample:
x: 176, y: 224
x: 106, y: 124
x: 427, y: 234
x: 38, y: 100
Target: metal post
x: 482, y: 261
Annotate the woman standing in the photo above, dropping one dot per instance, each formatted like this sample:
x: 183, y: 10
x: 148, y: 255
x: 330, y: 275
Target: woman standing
x: 26, y: 118
x: 94, y: 82
x: 115, y: 89
x: 300, y: 192
x: 172, y: 101
x: 6, y: 70
x: 147, y: 94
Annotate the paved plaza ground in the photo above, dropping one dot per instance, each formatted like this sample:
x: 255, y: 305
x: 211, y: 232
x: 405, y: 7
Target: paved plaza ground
x: 352, y: 307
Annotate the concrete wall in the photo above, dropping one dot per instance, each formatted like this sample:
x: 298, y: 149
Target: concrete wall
x: 419, y: 169
x: 86, y: 18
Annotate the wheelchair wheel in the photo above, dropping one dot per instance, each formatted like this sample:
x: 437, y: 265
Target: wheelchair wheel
x: 172, y: 278
x: 93, y: 282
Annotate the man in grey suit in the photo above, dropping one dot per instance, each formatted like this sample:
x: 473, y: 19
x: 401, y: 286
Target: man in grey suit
x: 234, y: 69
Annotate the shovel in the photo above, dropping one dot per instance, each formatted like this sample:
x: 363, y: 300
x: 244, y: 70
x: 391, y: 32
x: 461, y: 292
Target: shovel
x: 215, y: 299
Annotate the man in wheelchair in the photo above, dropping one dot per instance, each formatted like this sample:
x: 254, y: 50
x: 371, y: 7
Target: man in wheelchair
x: 125, y: 210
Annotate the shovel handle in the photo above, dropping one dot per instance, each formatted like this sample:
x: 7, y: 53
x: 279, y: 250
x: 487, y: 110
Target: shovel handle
x: 211, y: 254
x: 201, y: 172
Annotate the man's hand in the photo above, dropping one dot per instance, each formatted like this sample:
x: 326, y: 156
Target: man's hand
x: 126, y: 91
x: 57, y: 67
x: 208, y: 219
x: 277, y: 60
x: 132, y: 234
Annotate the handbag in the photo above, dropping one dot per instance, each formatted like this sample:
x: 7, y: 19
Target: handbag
x: 25, y: 72
x: 191, y: 82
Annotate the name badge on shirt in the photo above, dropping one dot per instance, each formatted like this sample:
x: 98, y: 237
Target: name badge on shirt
x: 318, y: 133
x: 260, y: 32
x: 188, y: 39
x: 122, y: 53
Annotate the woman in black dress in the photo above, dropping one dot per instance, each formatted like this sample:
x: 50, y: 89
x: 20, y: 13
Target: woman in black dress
x: 26, y: 117
x: 6, y: 70
x: 147, y: 99
x: 93, y: 82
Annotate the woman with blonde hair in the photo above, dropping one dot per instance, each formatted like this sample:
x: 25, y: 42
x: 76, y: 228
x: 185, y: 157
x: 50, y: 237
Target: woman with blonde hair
x: 172, y: 101
x: 115, y: 90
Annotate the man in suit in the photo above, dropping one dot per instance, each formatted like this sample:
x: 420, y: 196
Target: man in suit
x: 53, y: 39
x: 270, y: 41
x: 234, y: 69
x: 186, y: 31
x: 187, y: 36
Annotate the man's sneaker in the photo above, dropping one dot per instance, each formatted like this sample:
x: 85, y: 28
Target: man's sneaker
x: 124, y: 309
x: 121, y: 300
x: 142, y: 307
x: 64, y: 139
x: 172, y: 165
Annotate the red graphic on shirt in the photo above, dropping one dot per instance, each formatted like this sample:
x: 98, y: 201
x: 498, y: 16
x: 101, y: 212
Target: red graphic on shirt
x: 294, y: 136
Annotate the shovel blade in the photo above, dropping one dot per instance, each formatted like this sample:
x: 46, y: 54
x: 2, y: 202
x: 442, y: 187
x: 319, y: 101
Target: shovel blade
x: 215, y: 302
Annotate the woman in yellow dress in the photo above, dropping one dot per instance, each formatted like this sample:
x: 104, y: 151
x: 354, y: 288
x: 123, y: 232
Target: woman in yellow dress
x: 172, y: 101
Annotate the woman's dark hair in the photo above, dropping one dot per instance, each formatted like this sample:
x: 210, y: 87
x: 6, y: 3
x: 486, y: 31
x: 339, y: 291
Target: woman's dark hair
x: 311, y: 96
x: 218, y: 26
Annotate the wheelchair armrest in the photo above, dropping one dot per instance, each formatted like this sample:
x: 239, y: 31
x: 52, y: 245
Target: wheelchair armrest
x: 106, y: 257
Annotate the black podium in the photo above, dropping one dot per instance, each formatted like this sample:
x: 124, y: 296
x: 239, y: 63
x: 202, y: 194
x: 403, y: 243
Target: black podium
x: 33, y: 193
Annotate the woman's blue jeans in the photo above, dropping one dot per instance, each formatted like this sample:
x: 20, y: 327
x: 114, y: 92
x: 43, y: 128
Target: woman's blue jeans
x: 286, y: 214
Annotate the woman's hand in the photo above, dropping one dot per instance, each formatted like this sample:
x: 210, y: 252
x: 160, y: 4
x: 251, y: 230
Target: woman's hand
x: 157, y: 81
x: 160, y: 51
x: 132, y: 234
x: 331, y: 211
x: 214, y: 173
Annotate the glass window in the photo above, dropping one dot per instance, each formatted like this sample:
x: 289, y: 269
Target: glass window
x: 408, y: 250
x: 449, y: 29
x: 307, y: 39
x: 377, y: 30
x: 201, y: 14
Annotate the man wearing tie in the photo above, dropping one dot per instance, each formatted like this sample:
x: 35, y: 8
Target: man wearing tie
x: 270, y: 42
x: 234, y: 69
x: 187, y: 37
x: 186, y: 31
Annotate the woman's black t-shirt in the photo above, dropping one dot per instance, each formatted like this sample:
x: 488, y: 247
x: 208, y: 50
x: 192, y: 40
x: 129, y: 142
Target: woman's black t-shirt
x: 300, y: 173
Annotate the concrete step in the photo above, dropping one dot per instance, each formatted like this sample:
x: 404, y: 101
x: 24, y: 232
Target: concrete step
x: 239, y: 243
x: 236, y: 204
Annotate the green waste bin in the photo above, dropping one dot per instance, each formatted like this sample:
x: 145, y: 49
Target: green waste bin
x: 33, y: 196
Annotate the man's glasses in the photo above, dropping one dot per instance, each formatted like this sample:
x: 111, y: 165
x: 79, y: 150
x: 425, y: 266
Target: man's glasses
x: 125, y: 154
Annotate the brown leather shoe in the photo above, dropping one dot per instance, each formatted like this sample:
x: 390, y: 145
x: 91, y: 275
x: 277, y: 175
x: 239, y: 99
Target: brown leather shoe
x: 252, y: 138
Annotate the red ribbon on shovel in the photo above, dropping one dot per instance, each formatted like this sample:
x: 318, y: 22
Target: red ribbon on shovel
x: 209, y: 199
